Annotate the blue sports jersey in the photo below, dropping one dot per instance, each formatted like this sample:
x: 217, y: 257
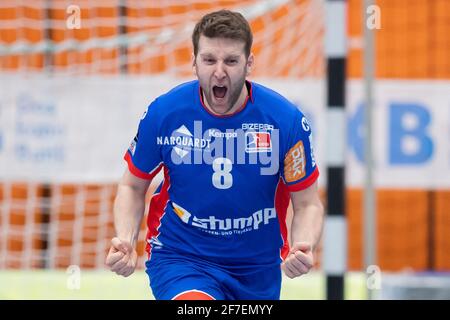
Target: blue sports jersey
x: 227, y: 178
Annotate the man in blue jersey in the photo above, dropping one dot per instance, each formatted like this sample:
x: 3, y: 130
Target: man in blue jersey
x: 233, y: 154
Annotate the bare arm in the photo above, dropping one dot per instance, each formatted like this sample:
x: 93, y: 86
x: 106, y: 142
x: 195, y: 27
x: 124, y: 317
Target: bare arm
x: 306, y: 229
x: 129, y: 207
x: 307, y: 221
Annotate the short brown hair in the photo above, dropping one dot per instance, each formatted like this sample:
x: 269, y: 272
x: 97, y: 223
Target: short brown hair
x: 223, y: 24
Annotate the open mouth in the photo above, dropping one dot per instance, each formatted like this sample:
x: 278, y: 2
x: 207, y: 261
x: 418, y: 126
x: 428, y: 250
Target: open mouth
x: 219, y: 91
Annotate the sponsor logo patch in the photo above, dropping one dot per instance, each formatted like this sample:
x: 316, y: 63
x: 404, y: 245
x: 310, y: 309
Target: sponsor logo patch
x: 183, y: 141
x: 295, y: 163
x: 227, y: 226
x: 133, y: 143
x: 258, y: 142
x: 305, y: 124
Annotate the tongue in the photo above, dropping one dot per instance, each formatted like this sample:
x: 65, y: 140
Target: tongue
x: 219, y: 92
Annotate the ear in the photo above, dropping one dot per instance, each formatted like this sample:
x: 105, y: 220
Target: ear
x: 193, y: 64
x: 250, y: 63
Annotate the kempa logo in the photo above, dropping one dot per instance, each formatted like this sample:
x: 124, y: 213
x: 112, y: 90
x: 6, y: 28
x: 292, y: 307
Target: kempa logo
x: 226, y: 226
x: 219, y: 134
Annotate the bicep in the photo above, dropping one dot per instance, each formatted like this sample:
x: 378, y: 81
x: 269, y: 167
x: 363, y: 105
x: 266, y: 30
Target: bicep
x: 306, y: 197
x: 138, y: 185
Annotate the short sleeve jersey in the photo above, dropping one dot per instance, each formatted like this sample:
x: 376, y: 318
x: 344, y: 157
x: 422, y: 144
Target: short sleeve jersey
x: 227, y: 179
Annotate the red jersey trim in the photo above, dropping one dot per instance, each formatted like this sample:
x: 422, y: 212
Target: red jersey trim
x: 138, y: 173
x: 305, y: 183
x: 156, y: 211
x: 282, y: 199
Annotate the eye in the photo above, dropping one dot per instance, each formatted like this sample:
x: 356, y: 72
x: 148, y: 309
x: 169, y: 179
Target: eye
x: 209, y: 60
x: 231, y: 61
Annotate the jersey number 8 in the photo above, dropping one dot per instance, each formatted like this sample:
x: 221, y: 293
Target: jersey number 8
x: 222, y: 178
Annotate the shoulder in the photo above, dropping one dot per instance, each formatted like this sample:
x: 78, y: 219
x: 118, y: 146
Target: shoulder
x: 273, y: 102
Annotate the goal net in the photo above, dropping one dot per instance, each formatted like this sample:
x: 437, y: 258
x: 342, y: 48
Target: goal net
x: 75, y: 79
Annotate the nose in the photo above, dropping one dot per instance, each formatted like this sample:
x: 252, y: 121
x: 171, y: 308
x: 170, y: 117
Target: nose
x: 219, y: 72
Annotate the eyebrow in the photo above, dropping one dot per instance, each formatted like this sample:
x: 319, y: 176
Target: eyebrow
x: 209, y: 55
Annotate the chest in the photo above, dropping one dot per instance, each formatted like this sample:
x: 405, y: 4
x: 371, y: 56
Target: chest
x: 221, y: 153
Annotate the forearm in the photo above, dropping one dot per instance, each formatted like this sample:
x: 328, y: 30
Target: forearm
x: 307, y: 224
x: 129, y: 207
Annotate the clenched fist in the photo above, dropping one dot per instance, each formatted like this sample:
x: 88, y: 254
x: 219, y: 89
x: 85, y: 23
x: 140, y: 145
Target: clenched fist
x: 122, y: 257
x: 299, y: 261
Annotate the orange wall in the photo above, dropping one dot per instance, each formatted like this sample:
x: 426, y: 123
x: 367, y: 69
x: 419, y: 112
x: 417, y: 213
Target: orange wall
x: 413, y: 42
x: 413, y: 229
